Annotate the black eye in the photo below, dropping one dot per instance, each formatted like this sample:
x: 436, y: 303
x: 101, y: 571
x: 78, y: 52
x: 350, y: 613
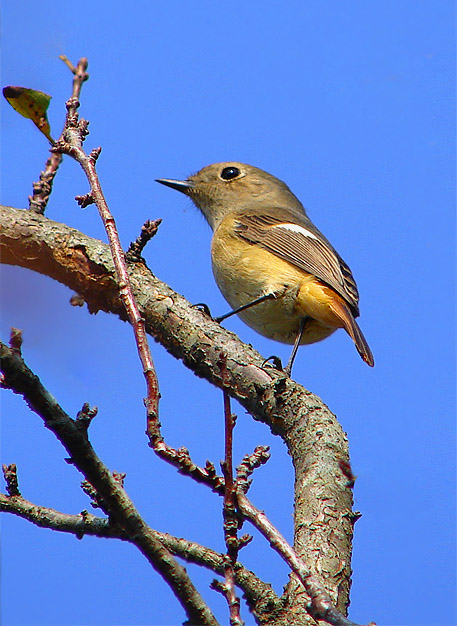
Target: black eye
x: 228, y: 173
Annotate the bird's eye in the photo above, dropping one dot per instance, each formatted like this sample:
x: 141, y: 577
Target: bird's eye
x: 229, y: 173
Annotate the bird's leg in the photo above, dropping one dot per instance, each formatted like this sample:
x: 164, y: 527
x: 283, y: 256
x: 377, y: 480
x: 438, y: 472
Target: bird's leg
x: 268, y: 296
x: 298, y: 338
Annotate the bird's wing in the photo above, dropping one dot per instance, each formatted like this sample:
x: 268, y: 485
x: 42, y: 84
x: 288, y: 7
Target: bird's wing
x: 299, y: 242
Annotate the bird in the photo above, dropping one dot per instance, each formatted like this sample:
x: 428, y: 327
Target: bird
x: 276, y: 270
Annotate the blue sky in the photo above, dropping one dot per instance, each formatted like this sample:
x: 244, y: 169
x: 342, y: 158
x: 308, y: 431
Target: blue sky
x: 352, y: 104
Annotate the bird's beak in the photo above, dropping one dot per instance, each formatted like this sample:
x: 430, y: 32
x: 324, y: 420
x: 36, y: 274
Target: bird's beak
x: 180, y: 185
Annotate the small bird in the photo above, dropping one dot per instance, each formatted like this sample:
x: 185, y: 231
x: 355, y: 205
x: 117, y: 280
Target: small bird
x: 274, y: 267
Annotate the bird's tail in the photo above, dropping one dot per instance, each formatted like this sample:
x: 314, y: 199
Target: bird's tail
x: 352, y: 328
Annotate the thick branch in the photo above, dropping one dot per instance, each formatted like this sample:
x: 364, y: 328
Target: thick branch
x: 320, y: 607
x: 314, y: 438
x: 73, y: 436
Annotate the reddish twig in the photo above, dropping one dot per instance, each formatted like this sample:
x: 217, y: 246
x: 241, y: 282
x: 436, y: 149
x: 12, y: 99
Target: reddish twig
x: 227, y: 589
x: 71, y: 144
x: 79, y: 72
x: 247, y: 466
x: 230, y: 514
x: 43, y: 187
x: 148, y: 231
x: 12, y: 486
x: 180, y: 458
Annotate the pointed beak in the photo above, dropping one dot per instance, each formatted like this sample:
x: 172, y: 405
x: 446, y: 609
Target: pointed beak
x: 180, y: 185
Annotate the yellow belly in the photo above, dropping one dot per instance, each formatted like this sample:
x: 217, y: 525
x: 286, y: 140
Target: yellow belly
x: 245, y: 272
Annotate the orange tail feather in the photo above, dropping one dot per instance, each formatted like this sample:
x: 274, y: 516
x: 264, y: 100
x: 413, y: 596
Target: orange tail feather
x: 352, y: 328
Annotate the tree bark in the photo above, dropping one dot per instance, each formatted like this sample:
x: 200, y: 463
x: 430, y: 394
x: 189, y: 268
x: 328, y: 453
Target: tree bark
x: 323, y: 518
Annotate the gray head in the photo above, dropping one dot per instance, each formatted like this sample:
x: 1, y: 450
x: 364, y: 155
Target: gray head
x: 223, y: 188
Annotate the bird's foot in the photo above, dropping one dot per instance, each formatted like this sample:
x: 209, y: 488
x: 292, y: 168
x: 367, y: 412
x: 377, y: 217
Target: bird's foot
x: 204, y: 308
x: 277, y: 364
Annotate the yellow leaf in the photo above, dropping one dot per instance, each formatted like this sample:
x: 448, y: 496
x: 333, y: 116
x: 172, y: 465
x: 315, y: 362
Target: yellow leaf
x: 31, y: 104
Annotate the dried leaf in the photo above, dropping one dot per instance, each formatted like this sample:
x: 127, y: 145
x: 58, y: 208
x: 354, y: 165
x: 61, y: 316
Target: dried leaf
x: 31, y: 104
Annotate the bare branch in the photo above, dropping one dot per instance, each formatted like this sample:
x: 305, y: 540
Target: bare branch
x: 181, y: 459
x: 227, y: 589
x: 315, y: 440
x: 321, y: 606
x: 42, y: 189
x: 148, y: 231
x: 259, y: 595
x: 232, y: 521
x: 79, y: 72
x: 78, y: 525
x: 247, y: 466
x: 10, y: 474
x: 19, y: 378
x: 71, y: 143
x: 16, y: 340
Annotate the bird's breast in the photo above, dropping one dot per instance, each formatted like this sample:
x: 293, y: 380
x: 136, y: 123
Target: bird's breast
x: 245, y: 272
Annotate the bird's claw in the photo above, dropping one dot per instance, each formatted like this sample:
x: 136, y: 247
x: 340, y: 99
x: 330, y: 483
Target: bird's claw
x: 276, y: 363
x: 204, y: 308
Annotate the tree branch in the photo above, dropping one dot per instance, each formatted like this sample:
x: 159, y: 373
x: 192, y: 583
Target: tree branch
x: 260, y: 597
x: 43, y: 187
x: 320, y: 606
x: 315, y: 440
x: 70, y: 143
x: 73, y: 436
x: 232, y: 521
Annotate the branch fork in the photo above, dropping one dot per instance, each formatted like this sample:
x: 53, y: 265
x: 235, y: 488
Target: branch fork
x: 106, y: 488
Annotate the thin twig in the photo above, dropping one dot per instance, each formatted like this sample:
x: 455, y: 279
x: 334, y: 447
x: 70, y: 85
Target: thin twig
x: 148, y: 231
x: 79, y: 525
x: 16, y: 340
x: 247, y: 466
x: 231, y: 518
x: 79, y: 71
x: 71, y: 144
x: 43, y: 187
x: 85, y: 416
x: 85, y: 523
x: 181, y: 459
x: 19, y: 378
x: 12, y: 485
